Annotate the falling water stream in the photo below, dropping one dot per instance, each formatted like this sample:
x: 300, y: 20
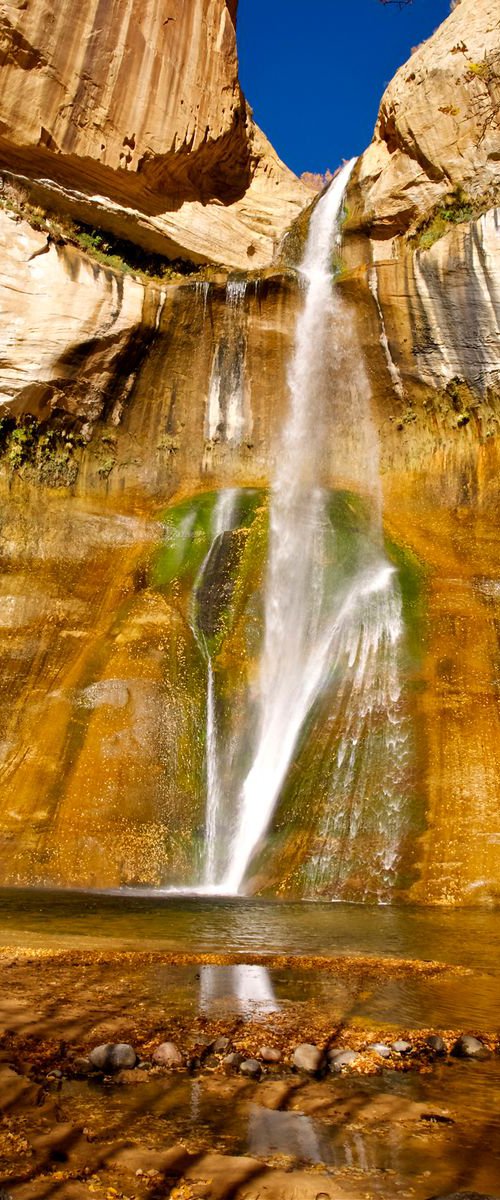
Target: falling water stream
x: 327, y: 631
x: 224, y: 518
x: 296, y: 636
x: 311, y: 629
x: 228, y: 416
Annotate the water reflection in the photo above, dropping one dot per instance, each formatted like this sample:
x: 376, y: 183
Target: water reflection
x: 393, y: 1135
x: 238, y: 989
x: 288, y: 1133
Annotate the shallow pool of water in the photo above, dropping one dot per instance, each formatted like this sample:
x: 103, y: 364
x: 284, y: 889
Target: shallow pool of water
x: 465, y: 938
x: 389, y: 1135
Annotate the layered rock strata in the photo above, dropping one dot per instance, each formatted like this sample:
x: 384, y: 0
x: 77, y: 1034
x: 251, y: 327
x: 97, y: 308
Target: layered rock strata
x: 133, y: 118
x: 159, y: 395
x: 438, y: 127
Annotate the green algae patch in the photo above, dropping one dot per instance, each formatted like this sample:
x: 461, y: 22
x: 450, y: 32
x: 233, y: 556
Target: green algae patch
x: 186, y: 541
x: 218, y: 577
x: 43, y: 452
x: 244, y: 616
x: 189, y: 533
x: 457, y: 208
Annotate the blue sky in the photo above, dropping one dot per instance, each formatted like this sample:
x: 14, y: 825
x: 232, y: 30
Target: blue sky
x: 314, y: 70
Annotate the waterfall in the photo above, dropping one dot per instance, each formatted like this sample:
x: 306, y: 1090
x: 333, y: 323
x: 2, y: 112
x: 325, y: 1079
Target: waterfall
x: 311, y: 627
x: 228, y: 416
x: 202, y: 288
x: 235, y: 403
x: 224, y: 517
x: 367, y: 698
x: 161, y: 305
x: 293, y: 654
x: 225, y: 511
x: 213, y: 783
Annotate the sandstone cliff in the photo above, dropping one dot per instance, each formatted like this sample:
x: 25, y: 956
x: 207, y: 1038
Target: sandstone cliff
x: 438, y: 126
x: 127, y: 403
x: 131, y: 116
x: 422, y: 261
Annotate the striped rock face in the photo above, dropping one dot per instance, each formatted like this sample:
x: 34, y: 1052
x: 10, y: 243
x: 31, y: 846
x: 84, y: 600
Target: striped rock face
x: 131, y: 116
x: 437, y: 128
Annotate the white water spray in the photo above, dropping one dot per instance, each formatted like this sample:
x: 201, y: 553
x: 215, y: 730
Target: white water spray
x: 224, y: 518
x: 296, y: 642
x: 372, y: 753
x: 316, y: 631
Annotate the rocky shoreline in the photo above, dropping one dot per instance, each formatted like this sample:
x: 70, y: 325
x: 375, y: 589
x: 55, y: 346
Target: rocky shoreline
x: 110, y: 1089
x: 105, y: 1000
x: 231, y: 1053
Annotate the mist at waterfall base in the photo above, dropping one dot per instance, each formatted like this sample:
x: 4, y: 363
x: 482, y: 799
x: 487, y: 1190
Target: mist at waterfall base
x: 326, y: 630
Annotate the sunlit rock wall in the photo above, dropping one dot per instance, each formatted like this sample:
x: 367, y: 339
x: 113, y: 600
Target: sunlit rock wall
x: 100, y: 767
x: 170, y: 393
x: 117, y: 398
x: 438, y: 127
x: 429, y: 323
x: 126, y: 404
x: 131, y: 117
x: 65, y: 324
x: 423, y: 273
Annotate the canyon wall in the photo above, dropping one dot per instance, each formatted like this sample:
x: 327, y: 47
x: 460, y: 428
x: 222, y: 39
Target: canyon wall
x: 130, y: 116
x: 428, y: 319
x: 423, y: 248
x: 437, y: 128
x: 127, y: 403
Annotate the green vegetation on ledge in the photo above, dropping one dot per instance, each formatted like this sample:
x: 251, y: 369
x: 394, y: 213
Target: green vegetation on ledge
x: 36, y: 449
x: 115, y: 253
x: 455, y: 209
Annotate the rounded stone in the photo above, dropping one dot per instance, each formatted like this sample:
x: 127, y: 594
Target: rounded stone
x: 380, y: 1048
x: 342, y: 1058
x: 334, y: 1051
x: 467, y: 1046
x: 251, y: 1068
x: 113, y: 1056
x: 167, y: 1055
x: 307, y: 1057
x: 436, y: 1043
x: 269, y: 1054
x: 122, y: 1057
x: 232, y: 1060
x: 99, y: 1056
x: 401, y: 1047
x: 222, y: 1045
